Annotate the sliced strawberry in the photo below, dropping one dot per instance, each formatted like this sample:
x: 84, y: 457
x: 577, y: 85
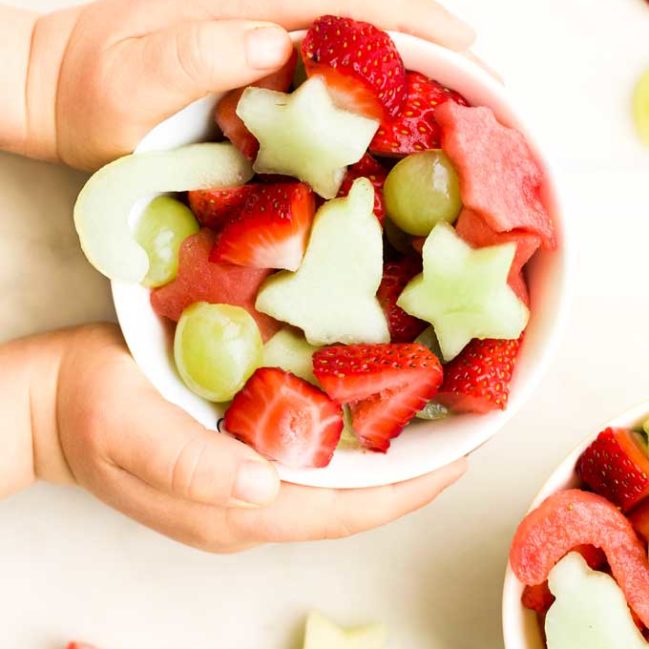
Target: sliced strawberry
x: 212, y: 207
x: 360, y: 63
x: 270, y: 230
x: 226, y: 110
x: 285, y: 419
x: 475, y: 231
x: 616, y: 466
x: 367, y: 167
x: 414, y: 128
x: 396, y: 274
x: 385, y: 385
x: 478, y: 379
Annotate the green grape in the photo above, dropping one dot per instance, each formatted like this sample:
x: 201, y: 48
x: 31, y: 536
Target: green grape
x: 641, y: 107
x: 398, y: 239
x: 433, y: 411
x: 421, y: 191
x: 217, y: 347
x: 348, y: 439
x: 165, y: 224
x: 428, y: 338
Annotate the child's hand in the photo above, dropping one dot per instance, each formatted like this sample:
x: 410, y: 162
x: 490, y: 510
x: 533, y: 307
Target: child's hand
x: 96, y: 421
x: 102, y: 75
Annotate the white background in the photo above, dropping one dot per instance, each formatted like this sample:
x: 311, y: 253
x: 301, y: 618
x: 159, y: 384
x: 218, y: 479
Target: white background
x: 69, y: 567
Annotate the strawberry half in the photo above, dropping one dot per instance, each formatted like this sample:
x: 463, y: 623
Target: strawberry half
x: 270, y: 229
x: 285, y: 419
x: 414, y: 128
x: 617, y: 467
x: 385, y: 385
x: 396, y: 274
x: 478, y: 379
x: 367, y: 167
x: 213, y: 207
x: 360, y: 63
x: 231, y: 124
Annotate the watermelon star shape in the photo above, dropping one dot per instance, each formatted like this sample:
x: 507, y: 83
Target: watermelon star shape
x: 463, y: 292
x: 323, y: 634
x: 305, y: 135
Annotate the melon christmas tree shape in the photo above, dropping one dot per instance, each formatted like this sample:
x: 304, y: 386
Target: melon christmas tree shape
x: 323, y: 634
x: 589, y: 611
x: 103, y: 209
x: 305, y: 135
x: 332, y: 297
x: 463, y: 292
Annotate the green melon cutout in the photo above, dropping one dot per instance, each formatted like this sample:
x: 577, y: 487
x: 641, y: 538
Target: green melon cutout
x: 323, y: 634
x: 103, y: 208
x: 332, y: 296
x: 464, y: 293
x: 305, y: 135
x: 590, y: 610
x: 289, y: 351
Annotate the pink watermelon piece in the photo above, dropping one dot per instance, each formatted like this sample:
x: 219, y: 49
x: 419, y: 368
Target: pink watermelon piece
x: 200, y: 280
x: 573, y: 517
x: 475, y: 231
x: 499, y: 176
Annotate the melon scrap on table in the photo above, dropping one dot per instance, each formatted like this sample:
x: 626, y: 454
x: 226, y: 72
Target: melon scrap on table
x: 499, y: 177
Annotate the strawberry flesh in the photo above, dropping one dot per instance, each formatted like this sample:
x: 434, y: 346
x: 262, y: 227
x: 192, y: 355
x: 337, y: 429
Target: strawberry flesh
x: 414, y: 129
x: 286, y: 419
x: 270, y: 229
x: 616, y: 467
x: 360, y: 63
x: 385, y: 386
x: 478, y: 380
x: 396, y: 275
x: 231, y: 124
x: 367, y: 167
x: 213, y: 207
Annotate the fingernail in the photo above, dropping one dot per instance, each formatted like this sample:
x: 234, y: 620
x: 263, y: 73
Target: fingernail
x: 266, y: 47
x: 256, y: 483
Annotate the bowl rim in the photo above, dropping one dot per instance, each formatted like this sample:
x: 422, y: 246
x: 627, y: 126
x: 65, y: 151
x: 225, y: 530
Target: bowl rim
x: 563, y: 476
x: 383, y: 472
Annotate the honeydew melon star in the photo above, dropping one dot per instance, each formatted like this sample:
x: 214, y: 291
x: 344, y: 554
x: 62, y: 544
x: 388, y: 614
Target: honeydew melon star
x: 303, y: 134
x: 323, y: 634
x: 463, y: 292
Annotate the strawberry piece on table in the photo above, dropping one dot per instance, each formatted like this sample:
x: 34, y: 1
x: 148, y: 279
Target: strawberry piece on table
x: 573, y: 517
x: 475, y: 231
x: 414, y: 129
x: 226, y: 110
x: 396, y: 275
x: 385, y: 386
x: 478, y: 380
x: 270, y: 230
x: 360, y: 63
x: 499, y: 177
x: 286, y: 419
x: 616, y: 467
x: 213, y: 207
x: 199, y: 280
x: 367, y: 167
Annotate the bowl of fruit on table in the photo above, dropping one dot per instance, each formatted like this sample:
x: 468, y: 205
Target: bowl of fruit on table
x: 360, y: 271
x: 578, y: 574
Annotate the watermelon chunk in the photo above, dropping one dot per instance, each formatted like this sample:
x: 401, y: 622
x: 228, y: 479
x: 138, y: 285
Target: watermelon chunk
x: 475, y: 231
x: 573, y: 517
x: 499, y: 177
x: 200, y: 280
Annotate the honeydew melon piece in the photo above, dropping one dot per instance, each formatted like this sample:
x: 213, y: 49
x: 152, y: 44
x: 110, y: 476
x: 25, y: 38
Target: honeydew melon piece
x: 323, y: 634
x: 589, y: 611
x: 641, y: 107
x: 303, y: 134
x: 103, y: 208
x: 332, y: 296
x: 289, y: 351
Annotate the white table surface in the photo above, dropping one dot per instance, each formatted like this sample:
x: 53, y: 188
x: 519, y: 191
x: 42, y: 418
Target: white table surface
x: 71, y: 567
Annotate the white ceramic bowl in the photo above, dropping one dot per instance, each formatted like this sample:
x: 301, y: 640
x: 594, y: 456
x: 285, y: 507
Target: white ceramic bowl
x: 424, y: 446
x: 520, y: 625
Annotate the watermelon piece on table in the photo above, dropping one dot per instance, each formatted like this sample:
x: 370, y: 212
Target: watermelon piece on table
x: 499, y: 176
x: 475, y: 231
x: 573, y: 517
x: 200, y: 280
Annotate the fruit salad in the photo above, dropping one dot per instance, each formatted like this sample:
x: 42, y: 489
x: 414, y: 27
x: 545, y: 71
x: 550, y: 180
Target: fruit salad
x: 582, y: 554
x: 349, y: 256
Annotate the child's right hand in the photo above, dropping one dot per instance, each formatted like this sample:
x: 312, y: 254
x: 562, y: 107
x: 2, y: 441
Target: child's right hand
x: 97, y: 422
